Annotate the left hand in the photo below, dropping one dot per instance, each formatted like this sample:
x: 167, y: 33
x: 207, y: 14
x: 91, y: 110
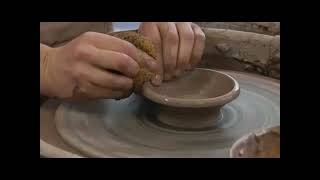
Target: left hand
x: 179, y: 45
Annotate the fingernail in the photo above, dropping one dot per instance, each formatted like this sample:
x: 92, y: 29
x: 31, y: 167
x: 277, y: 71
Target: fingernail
x: 157, y: 80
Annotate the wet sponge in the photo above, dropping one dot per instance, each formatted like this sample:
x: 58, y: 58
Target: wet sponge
x: 145, y: 45
x: 139, y: 41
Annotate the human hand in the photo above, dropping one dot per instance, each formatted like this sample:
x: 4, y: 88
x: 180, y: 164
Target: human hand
x: 92, y: 66
x: 179, y: 46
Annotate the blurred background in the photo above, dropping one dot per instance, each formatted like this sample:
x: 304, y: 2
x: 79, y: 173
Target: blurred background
x: 270, y: 28
x: 123, y: 26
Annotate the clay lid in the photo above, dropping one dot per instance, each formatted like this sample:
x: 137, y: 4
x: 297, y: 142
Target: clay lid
x: 197, y: 89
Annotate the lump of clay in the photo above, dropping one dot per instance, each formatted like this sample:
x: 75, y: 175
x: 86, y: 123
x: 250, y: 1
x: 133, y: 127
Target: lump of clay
x: 144, y: 45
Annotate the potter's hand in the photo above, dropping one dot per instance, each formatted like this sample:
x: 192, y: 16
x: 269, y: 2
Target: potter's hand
x: 91, y: 66
x: 179, y: 46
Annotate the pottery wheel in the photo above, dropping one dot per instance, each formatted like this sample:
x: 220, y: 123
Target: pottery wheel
x: 131, y: 127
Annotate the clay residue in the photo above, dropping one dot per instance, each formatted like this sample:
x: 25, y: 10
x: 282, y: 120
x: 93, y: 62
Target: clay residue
x: 256, y: 53
x: 268, y: 145
x: 144, y: 44
x: 269, y: 28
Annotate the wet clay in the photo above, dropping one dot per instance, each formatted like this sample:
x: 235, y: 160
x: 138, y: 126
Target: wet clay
x: 136, y: 127
x: 49, y: 134
x: 199, y: 93
x: 200, y: 88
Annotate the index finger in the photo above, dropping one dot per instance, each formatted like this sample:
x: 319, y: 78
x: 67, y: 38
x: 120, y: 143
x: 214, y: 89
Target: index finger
x: 107, y: 42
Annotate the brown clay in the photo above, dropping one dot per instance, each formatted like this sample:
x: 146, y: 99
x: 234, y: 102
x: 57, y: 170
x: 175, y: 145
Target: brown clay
x: 200, y: 88
x: 269, y: 28
x: 195, y: 94
x: 242, y: 51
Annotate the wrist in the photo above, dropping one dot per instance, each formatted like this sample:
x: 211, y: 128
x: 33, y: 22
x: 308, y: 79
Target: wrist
x: 44, y: 63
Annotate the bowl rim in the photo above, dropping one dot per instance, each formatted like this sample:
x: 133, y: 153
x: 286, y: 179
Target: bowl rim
x: 192, y: 103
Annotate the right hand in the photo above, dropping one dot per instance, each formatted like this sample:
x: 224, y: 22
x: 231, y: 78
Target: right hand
x: 84, y: 68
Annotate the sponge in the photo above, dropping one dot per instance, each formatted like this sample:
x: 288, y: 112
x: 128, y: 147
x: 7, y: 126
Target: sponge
x: 145, y: 45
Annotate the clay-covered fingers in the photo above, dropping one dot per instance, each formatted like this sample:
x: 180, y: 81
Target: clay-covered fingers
x: 170, y: 46
x: 198, y: 46
x: 186, y: 42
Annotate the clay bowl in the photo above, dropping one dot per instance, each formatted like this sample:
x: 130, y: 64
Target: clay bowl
x: 200, y: 88
x: 264, y: 143
x: 194, y: 100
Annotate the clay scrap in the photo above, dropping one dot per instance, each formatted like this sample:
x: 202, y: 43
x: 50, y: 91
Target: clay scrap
x: 269, y: 28
x: 259, y: 53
